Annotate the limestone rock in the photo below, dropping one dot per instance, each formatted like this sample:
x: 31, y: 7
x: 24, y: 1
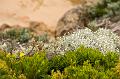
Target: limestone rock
x: 75, y: 18
x: 38, y: 27
x: 112, y: 23
x: 41, y: 28
x: 4, y: 27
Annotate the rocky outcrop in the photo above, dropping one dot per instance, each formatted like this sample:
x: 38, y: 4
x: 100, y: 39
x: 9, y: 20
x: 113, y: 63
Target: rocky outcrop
x: 38, y: 27
x: 79, y: 18
x: 4, y: 26
x: 112, y: 23
x: 41, y: 28
x: 75, y: 18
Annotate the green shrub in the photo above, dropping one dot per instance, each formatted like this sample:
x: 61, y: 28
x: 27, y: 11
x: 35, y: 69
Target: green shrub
x: 58, y: 62
x: 57, y: 75
x: 5, y: 72
x: 25, y: 36
x: 87, y: 72
x: 35, y: 67
x: 82, y: 54
x: 82, y: 63
x: 13, y: 34
x: 98, y: 62
x: 22, y: 35
x: 117, y: 69
x: 41, y: 38
x: 105, y: 8
x: 2, y: 54
x: 110, y: 60
x: 3, y: 68
x: 94, y: 56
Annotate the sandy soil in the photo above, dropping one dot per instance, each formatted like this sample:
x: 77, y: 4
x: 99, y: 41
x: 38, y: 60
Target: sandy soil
x: 22, y: 11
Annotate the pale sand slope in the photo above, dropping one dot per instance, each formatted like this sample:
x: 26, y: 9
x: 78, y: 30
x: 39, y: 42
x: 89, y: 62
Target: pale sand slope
x: 22, y: 11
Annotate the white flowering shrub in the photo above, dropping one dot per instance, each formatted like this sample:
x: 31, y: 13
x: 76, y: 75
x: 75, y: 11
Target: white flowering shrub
x: 102, y: 39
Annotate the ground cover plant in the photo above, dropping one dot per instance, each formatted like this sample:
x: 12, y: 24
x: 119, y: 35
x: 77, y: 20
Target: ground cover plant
x: 102, y: 39
x: 82, y: 63
x: 106, y: 8
x: 22, y: 40
x: 84, y: 54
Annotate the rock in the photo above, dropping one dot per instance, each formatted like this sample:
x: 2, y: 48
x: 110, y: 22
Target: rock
x: 75, y: 18
x: 116, y: 28
x: 112, y: 23
x: 4, y: 27
x: 38, y: 27
x: 41, y: 28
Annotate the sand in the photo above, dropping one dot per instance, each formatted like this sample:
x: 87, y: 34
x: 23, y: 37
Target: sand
x: 21, y: 12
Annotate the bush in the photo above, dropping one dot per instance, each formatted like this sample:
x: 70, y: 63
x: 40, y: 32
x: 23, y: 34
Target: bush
x: 82, y: 54
x: 102, y: 39
x: 58, y: 63
x: 25, y: 36
x: 3, y: 68
x: 8, y: 73
x: 82, y: 63
x: 41, y: 38
x: 2, y: 54
x: 105, y: 8
x: 87, y: 72
x: 22, y: 35
x: 57, y: 75
x: 5, y: 72
x: 95, y: 57
x: 84, y: 72
x: 117, y: 69
x: 32, y: 67
x: 13, y: 34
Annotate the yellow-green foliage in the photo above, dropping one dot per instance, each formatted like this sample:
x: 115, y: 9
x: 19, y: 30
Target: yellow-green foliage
x: 3, y: 65
x: 57, y: 75
x: 2, y: 54
x: 4, y: 70
x: 117, y: 69
x: 86, y: 71
x: 22, y: 76
x: 82, y: 63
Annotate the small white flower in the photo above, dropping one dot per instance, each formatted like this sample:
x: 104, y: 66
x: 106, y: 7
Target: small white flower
x: 103, y: 39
